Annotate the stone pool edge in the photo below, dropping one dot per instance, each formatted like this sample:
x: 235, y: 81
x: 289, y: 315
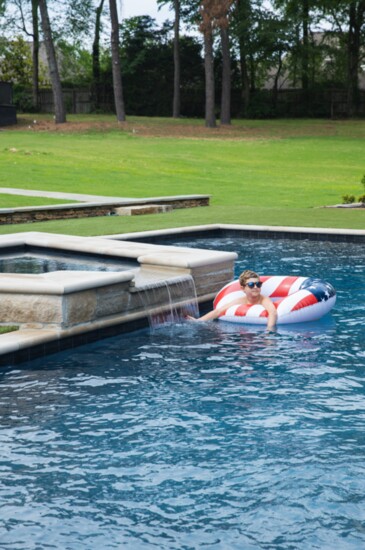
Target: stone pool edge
x: 59, y: 326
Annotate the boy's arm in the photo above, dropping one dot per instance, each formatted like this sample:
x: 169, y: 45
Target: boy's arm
x: 273, y: 314
x: 215, y: 313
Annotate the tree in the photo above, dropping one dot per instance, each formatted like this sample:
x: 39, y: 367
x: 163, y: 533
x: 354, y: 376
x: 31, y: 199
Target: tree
x: 146, y: 58
x: 206, y: 27
x: 76, y: 64
x: 305, y: 55
x: 177, y: 71
x: 215, y: 15
x: 60, y: 112
x: 96, y: 55
x: 146, y: 52
x: 116, y: 65
x: 84, y: 17
x: 16, y: 62
x: 242, y: 18
x: 348, y: 20
x: 26, y: 10
x: 299, y: 18
x: 222, y: 21
x: 176, y: 103
x: 356, y: 24
x: 35, y: 52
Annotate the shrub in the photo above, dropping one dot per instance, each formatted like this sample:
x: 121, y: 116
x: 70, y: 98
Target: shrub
x: 362, y: 199
x: 348, y: 199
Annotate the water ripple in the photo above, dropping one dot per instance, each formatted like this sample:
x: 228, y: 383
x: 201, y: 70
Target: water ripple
x: 196, y: 435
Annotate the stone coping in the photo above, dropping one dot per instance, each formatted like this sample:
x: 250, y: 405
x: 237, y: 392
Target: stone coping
x: 79, y: 197
x: 260, y: 231
x: 102, y: 207
x: 105, y: 202
x: 148, y: 254
x: 58, y: 282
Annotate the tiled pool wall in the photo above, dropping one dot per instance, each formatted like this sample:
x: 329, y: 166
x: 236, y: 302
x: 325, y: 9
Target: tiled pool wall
x: 226, y: 231
x: 69, y: 342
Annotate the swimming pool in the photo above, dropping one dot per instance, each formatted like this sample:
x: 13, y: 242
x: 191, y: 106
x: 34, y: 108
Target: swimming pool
x: 197, y: 435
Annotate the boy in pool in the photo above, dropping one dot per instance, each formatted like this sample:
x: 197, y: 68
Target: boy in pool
x: 250, y: 284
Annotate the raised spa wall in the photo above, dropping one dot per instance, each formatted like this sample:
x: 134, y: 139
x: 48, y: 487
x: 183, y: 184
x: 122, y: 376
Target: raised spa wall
x: 61, y: 304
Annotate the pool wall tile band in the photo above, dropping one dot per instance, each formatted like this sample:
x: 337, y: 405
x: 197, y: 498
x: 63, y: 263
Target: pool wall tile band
x: 247, y: 231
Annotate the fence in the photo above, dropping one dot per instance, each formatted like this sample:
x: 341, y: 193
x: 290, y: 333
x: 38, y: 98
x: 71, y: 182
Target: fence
x: 329, y: 103
x: 77, y: 101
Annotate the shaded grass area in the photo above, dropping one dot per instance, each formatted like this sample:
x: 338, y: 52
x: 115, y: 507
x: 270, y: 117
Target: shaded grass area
x: 257, y: 172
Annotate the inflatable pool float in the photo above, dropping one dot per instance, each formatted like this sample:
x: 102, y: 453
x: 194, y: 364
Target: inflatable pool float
x: 297, y: 300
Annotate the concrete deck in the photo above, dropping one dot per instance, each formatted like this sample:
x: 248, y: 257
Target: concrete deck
x: 63, y: 196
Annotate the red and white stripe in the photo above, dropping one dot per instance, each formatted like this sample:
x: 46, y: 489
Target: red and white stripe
x: 294, y: 305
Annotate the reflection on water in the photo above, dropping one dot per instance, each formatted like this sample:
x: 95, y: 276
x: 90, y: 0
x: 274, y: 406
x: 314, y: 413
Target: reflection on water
x: 196, y: 435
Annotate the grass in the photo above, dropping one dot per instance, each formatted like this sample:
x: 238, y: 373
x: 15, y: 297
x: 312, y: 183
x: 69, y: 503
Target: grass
x: 16, y: 201
x: 6, y: 329
x: 257, y: 172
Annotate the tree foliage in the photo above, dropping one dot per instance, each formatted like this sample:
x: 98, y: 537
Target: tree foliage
x: 16, y: 62
x: 251, y: 50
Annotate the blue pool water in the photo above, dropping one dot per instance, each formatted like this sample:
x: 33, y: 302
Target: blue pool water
x: 196, y: 436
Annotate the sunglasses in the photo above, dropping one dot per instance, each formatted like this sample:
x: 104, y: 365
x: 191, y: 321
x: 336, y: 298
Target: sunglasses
x: 258, y: 284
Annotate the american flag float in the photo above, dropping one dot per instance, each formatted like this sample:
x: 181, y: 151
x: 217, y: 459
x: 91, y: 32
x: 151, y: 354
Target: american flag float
x: 297, y: 300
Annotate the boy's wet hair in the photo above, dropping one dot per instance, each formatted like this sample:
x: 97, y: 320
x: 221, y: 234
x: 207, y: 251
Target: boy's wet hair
x: 246, y: 275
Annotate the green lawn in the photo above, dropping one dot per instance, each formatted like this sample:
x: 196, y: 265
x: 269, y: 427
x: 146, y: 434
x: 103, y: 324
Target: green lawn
x: 258, y: 172
x: 6, y: 329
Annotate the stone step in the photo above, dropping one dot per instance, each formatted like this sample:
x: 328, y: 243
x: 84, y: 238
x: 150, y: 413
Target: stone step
x: 142, y: 209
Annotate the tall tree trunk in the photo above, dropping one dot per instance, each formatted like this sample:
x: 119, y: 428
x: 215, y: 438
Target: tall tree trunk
x: 117, y: 71
x: 305, y: 54
x: 177, y: 100
x: 276, y: 84
x: 35, y: 54
x: 226, y: 77
x: 52, y: 64
x: 305, y: 48
x: 252, y: 73
x: 210, y: 120
x: 96, y: 56
x: 243, y: 16
x: 245, y: 79
x: 356, y: 21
